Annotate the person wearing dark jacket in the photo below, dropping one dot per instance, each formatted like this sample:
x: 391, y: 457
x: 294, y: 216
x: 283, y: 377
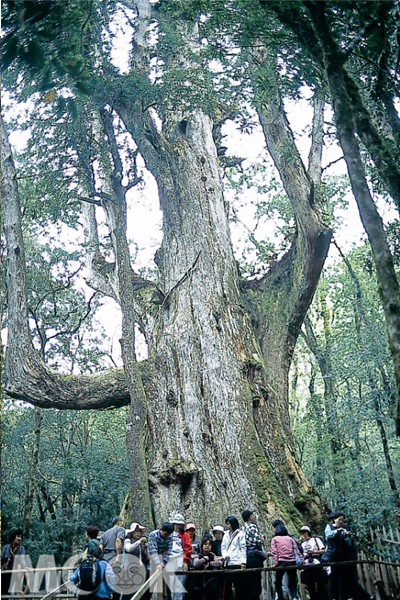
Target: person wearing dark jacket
x: 218, y: 533
x: 191, y: 530
x: 343, y: 579
x: 13, y: 557
x: 206, y: 588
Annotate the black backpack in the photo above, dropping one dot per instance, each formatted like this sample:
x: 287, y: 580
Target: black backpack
x: 89, y: 576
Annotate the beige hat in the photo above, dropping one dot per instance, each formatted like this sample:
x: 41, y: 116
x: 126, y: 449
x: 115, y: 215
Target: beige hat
x: 305, y: 528
x: 135, y: 526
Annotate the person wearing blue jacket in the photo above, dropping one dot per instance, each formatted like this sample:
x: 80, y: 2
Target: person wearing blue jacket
x: 106, y: 588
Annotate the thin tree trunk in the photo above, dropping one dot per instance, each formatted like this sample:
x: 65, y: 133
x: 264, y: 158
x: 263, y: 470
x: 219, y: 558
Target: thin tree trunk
x: 319, y: 462
x: 32, y: 474
x: 329, y: 394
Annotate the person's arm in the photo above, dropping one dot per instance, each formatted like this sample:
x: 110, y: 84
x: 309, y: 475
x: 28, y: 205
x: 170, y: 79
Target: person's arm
x: 242, y: 549
x: 274, y: 551
x: 74, y: 576
x: 224, y: 546
x: 153, y: 549
x: 199, y: 563
x: 187, y: 549
x: 109, y: 577
x: 320, y: 546
x: 129, y: 545
x: 118, y: 547
x: 216, y: 564
x: 330, y: 532
x: 168, y: 551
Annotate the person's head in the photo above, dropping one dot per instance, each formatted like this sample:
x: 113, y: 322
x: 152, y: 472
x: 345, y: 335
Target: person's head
x: 280, y: 529
x: 305, y: 532
x: 205, y: 545
x: 218, y: 532
x: 336, y: 519
x: 232, y: 523
x: 96, y: 552
x: 92, y: 532
x: 178, y: 522
x: 16, y: 537
x: 191, y: 529
x: 276, y: 523
x: 248, y: 516
x: 166, y: 529
x: 118, y: 521
x: 135, y: 531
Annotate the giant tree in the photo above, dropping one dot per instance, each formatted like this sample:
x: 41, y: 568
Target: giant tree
x: 213, y: 393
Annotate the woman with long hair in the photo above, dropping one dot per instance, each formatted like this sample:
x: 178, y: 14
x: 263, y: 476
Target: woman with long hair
x: 233, y: 550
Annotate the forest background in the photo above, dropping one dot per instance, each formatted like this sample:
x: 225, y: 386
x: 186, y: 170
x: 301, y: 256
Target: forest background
x: 70, y: 468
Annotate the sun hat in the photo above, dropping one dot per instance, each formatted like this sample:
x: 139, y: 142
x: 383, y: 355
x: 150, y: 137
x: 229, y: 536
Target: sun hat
x: 190, y: 526
x: 218, y: 528
x: 135, y: 526
x: 305, y: 528
x: 178, y: 519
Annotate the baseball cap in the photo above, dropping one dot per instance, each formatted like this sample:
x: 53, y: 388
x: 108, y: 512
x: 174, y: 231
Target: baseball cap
x: 178, y: 519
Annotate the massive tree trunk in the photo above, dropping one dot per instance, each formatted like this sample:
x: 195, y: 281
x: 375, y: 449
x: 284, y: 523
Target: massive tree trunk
x: 216, y: 379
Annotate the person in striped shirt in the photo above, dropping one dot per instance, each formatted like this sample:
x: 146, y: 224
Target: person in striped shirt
x: 160, y: 545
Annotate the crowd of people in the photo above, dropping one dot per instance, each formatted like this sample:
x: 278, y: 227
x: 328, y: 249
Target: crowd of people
x: 232, y: 550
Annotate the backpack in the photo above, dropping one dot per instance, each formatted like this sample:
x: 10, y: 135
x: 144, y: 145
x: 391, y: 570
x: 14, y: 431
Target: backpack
x: 89, y: 576
x: 299, y: 547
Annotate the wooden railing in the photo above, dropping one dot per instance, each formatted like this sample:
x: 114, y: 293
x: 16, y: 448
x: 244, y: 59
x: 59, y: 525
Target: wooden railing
x: 379, y: 577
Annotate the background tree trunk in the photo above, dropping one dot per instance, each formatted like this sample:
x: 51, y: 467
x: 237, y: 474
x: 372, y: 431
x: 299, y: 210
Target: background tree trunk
x: 30, y: 494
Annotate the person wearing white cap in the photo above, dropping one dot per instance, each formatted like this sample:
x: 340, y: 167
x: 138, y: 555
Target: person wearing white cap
x: 181, y: 555
x: 314, y: 579
x: 218, y: 533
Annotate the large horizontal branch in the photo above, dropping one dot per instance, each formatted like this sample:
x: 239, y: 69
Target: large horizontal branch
x: 35, y: 383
